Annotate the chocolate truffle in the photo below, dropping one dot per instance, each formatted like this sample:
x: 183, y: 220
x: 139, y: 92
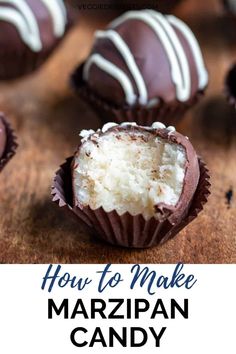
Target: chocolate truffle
x: 128, y: 168
x: 3, y: 137
x: 29, y: 32
x: 134, y: 186
x: 144, y: 61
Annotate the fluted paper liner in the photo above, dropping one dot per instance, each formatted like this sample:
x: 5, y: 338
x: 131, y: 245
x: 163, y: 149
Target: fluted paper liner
x: 127, y: 230
x: 162, y: 112
x: 11, y: 144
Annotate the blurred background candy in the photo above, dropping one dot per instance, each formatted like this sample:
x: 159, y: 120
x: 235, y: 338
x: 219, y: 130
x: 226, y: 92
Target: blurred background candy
x: 29, y: 32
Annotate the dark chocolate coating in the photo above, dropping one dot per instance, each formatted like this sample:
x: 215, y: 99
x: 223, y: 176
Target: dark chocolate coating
x: 152, y: 61
x: 3, y: 138
x: 176, y: 213
x: 16, y: 57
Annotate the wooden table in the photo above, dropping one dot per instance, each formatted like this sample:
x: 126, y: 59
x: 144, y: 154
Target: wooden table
x: 48, y: 118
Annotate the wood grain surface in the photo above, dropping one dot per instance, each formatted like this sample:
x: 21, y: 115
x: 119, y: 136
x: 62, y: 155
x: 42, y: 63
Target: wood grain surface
x: 48, y: 118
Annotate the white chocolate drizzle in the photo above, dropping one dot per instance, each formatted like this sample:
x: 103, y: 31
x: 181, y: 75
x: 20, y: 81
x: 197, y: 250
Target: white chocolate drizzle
x: 58, y: 14
x: 129, y: 59
x: 184, y: 29
x: 115, y: 72
x: 180, y: 70
x: 158, y: 125
x: 23, y: 18
x: 128, y: 123
x: 86, y: 134
x: 164, y: 28
x: 107, y: 126
x: 171, y: 128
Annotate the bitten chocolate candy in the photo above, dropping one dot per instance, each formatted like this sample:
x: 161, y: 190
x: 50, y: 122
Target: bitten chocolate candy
x: 152, y: 171
x: 3, y: 138
x: 134, y: 186
x: 29, y: 31
x: 144, y: 58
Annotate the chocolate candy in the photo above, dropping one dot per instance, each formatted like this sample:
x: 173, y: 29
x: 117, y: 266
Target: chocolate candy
x: 143, y: 58
x: 29, y: 31
x: 152, y: 171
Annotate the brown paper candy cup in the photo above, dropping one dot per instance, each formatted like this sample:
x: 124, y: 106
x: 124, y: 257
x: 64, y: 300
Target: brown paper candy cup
x: 162, y: 112
x: 11, y: 144
x: 127, y: 230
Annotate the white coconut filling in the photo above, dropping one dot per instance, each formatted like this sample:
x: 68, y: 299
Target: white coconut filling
x: 129, y: 172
